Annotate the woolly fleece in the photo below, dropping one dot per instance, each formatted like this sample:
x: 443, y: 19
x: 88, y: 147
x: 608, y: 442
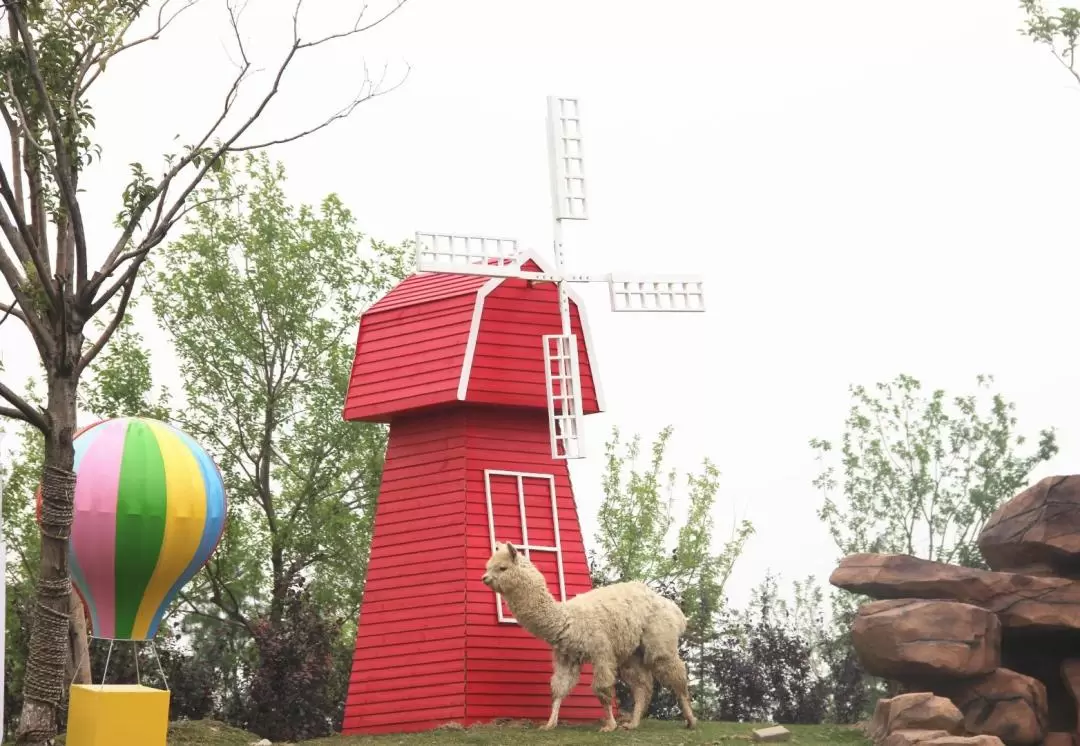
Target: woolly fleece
x: 625, y: 630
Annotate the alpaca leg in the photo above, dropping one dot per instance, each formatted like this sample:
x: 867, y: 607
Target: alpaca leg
x: 670, y: 671
x: 604, y: 688
x: 640, y: 680
x: 563, y: 681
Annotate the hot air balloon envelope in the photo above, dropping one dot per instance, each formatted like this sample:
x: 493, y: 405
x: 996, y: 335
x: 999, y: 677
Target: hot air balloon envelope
x: 149, y: 511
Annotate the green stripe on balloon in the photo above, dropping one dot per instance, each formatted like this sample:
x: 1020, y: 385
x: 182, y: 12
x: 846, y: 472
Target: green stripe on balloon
x: 140, y: 521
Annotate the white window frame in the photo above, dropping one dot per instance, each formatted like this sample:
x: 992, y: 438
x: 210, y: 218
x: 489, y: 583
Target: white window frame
x: 525, y: 546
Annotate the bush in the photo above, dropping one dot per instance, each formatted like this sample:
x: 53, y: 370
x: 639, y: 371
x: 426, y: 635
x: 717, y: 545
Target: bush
x: 764, y: 665
x: 292, y: 696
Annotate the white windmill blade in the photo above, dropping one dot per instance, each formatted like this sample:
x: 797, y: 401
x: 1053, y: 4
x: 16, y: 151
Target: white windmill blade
x: 562, y: 376
x: 490, y: 256
x: 685, y: 293
x: 565, y: 154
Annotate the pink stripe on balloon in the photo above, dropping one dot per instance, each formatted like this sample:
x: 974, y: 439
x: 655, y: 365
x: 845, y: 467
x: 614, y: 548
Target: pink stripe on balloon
x: 93, y: 535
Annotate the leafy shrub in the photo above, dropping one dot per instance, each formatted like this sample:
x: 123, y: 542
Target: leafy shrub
x: 292, y: 696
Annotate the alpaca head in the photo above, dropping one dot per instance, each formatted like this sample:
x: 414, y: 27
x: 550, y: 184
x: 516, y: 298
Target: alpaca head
x: 508, y: 569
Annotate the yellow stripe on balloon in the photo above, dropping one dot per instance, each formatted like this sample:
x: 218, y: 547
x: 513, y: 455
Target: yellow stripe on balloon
x: 185, y: 516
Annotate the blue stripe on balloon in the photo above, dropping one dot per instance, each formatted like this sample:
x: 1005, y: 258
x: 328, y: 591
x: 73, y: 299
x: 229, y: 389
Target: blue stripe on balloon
x: 82, y: 445
x: 215, y: 521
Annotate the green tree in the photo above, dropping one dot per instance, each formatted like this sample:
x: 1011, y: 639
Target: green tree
x: 19, y: 477
x: 635, y: 540
x: 51, y: 57
x: 261, y: 299
x: 1059, y: 32
x: 122, y: 383
x: 919, y: 474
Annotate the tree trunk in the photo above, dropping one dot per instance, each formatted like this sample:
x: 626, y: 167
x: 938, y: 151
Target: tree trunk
x: 78, y: 660
x: 43, y: 685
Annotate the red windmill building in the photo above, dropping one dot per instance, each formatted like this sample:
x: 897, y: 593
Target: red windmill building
x: 483, y: 365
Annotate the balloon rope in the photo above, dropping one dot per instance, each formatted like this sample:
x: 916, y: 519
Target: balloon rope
x: 48, y: 651
x: 135, y: 648
x: 153, y: 647
x: 108, y: 657
x: 78, y: 666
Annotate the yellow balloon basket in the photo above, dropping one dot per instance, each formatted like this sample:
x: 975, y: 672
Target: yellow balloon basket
x: 117, y: 715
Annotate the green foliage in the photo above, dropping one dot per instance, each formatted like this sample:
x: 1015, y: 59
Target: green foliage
x: 19, y: 478
x: 67, y: 36
x: 260, y: 299
x: 121, y: 382
x: 921, y: 474
x: 1059, y: 32
x: 636, y: 517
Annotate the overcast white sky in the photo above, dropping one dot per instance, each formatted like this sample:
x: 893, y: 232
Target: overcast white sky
x: 869, y: 188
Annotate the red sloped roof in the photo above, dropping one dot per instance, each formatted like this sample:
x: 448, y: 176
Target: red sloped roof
x: 438, y: 338
x: 424, y: 288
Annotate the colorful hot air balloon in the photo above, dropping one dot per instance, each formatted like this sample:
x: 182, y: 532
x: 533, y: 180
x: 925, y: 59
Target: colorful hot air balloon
x: 149, y: 511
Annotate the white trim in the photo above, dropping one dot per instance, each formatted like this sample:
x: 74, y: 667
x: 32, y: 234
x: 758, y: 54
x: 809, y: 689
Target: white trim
x: 525, y: 546
x: 565, y: 416
x: 474, y: 332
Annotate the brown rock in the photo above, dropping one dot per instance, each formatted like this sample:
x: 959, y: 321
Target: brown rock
x: 1005, y: 704
x: 912, y: 639
x: 1021, y: 601
x: 909, y: 737
x: 1070, y: 674
x: 915, y: 711
x: 937, y: 738
x: 1059, y: 739
x: 1040, y: 526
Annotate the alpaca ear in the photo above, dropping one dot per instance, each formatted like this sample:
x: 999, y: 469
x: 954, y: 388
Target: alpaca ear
x: 513, y: 551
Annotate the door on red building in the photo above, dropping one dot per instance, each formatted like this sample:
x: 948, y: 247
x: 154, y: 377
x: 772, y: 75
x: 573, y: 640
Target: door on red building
x: 523, y: 508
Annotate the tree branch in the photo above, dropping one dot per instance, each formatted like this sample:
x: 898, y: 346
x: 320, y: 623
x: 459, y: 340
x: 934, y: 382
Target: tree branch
x: 9, y: 309
x: 193, y: 609
x: 374, y: 91
x: 63, y: 169
x: 120, y: 46
x: 166, y: 216
x: 114, y: 324
x: 25, y: 412
x: 34, y: 323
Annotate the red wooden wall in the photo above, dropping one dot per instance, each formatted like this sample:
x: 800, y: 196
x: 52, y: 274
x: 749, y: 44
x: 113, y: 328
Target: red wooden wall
x: 508, y: 365
x: 508, y: 670
x: 429, y: 647
x: 409, y: 667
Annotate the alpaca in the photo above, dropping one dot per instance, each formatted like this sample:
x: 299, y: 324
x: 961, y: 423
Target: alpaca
x: 625, y: 630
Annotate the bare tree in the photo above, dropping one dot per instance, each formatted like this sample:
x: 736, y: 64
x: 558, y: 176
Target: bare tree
x: 53, y: 53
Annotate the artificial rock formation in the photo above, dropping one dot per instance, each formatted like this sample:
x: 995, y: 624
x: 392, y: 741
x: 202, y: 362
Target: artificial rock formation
x: 920, y: 711
x: 909, y: 639
x: 1002, y: 645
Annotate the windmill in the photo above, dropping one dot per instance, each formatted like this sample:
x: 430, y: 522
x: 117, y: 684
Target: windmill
x: 478, y: 447
x: 499, y: 257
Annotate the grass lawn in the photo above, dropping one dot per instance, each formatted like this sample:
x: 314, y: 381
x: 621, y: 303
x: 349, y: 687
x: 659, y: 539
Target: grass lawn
x: 654, y: 733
